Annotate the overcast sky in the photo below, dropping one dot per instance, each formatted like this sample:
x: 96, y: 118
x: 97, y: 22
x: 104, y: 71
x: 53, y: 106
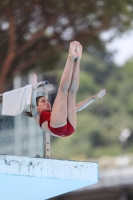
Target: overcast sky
x: 123, y: 45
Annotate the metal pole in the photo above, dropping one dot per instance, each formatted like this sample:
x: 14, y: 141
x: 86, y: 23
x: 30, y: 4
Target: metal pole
x: 47, y: 145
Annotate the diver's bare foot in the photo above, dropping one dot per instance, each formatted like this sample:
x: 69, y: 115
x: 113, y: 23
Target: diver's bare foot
x: 78, y: 50
x: 72, y: 51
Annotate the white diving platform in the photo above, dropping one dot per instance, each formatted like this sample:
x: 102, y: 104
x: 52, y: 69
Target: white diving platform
x: 27, y: 178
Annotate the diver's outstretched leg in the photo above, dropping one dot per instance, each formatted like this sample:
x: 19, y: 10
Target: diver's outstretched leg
x: 74, y: 87
x: 59, y: 110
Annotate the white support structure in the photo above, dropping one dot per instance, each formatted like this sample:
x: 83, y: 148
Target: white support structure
x: 27, y: 178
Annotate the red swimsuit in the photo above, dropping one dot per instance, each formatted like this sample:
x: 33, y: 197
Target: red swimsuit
x: 63, y: 131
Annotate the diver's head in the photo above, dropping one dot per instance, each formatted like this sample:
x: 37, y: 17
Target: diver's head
x: 41, y: 100
x: 43, y: 104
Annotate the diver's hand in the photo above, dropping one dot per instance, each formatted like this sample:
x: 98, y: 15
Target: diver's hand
x: 100, y: 94
x: 35, y: 83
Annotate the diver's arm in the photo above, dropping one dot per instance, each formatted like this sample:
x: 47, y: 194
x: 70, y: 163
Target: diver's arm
x: 35, y: 112
x: 80, y: 106
x: 36, y: 85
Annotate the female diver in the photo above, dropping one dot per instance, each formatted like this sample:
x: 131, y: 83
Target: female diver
x: 60, y: 121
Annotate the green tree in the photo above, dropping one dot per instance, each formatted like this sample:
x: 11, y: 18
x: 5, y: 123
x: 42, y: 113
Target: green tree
x: 33, y: 30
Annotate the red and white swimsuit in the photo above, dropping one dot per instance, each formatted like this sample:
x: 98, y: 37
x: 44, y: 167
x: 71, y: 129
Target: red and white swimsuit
x: 63, y: 131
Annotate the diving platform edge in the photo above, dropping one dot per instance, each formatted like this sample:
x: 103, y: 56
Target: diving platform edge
x: 43, y: 178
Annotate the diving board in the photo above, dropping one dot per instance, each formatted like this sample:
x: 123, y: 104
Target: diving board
x: 27, y: 178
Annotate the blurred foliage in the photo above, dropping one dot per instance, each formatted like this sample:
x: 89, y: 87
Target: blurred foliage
x: 34, y: 32
x: 99, y: 125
